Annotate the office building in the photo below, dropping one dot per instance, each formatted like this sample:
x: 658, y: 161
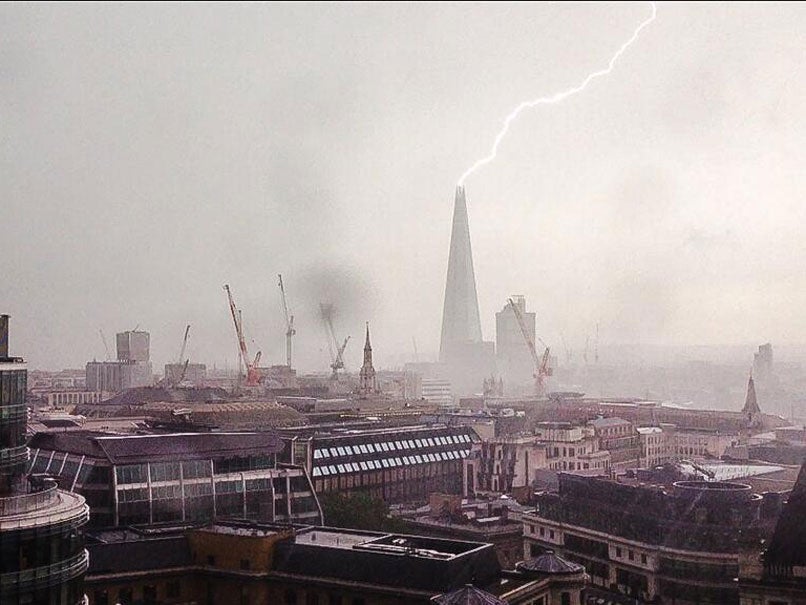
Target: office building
x: 176, y: 477
x: 242, y: 562
x: 678, y: 544
x: 42, y: 555
x: 398, y: 464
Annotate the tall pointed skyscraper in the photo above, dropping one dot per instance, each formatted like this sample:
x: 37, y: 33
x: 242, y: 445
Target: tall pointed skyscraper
x: 460, y: 315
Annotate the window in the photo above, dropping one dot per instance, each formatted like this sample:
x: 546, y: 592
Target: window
x: 101, y: 597
x: 643, y: 559
x: 542, y: 531
x: 149, y: 593
x: 565, y: 598
x: 631, y: 555
x: 290, y: 597
x: 210, y: 560
x: 618, y: 552
x: 334, y: 599
x: 312, y: 598
x: 125, y: 596
x: 245, y: 564
x: 172, y: 589
x: 551, y: 534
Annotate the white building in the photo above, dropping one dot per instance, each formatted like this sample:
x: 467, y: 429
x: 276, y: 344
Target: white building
x: 437, y: 390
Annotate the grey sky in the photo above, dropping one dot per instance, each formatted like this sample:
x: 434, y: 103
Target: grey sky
x: 151, y: 154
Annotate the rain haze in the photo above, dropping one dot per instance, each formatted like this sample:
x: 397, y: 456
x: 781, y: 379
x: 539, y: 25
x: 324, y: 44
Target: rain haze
x: 151, y: 154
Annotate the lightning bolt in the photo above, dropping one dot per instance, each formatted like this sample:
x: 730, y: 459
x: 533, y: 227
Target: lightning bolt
x: 555, y: 98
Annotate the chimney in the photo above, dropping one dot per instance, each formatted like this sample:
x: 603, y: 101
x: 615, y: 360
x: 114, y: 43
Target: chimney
x: 3, y: 336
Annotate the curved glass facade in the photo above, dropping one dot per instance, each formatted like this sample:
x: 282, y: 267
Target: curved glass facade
x: 42, y: 555
x: 13, y: 420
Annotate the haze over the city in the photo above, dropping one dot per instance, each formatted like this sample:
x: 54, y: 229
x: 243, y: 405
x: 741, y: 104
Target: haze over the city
x: 152, y: 154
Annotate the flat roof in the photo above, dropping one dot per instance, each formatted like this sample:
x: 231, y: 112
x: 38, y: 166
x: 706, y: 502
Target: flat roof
x: 122, y: 449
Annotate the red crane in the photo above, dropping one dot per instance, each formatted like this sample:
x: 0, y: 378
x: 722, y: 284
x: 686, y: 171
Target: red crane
x: 252, y: 374
x: 542, y: 368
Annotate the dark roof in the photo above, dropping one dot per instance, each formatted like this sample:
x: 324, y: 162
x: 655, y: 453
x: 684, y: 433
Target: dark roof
x: 468, y: 595
x: 787, y: 544
x: 138, y: 555
x: 81, y: 443
x: 123, y: 449
x: 549, y: 563
x: 366, y: 561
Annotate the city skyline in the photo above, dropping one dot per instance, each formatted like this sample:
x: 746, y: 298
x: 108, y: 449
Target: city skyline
x: 126, y: 209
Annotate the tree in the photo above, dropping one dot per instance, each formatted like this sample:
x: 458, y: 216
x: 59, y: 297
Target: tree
x: 358, y: 511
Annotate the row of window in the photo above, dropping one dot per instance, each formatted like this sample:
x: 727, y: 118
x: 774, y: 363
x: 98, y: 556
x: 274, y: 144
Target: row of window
x: 389, y: 446
x: 630, y: 555
x: 369, y: 465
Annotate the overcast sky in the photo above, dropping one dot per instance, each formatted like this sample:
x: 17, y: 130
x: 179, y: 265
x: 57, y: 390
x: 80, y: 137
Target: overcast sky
x: 152, y: 153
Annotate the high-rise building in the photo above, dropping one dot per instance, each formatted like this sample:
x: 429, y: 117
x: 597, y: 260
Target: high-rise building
x: 460, y: 314
x: 134, y: 346
x: 131, y: 369
x: 468, y: 359
x: 515, y: 364
x: 762, y: 362
x: 42, y: 555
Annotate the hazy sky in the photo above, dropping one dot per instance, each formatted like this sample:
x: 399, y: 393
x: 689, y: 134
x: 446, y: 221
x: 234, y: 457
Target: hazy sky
x: 152, y: 153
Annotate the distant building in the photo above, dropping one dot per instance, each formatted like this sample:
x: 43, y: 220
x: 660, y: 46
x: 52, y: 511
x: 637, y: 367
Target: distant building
x: 676, y: 545
x: 504, y: 464
x: 134, y: 346
x: 192, y: 373
x: 762, y: 362
x: 63, y: 398
x: 116, y: 376
x: 656, y: 446
x: 701, y: 444
x: 367, y: 382
x: 399, y: 464
x: 438, y: 391
x: 515, y: 364
x: 751, y: 410
x: 573, y: 448
x: 189, y: 477
x: 467, y: 358
x: 42, y: 559
x: 619, y: 437
x: 237, y: 562
x: 131, y: 369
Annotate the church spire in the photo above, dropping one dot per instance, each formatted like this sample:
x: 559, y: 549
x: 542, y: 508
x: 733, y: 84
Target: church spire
x: 367, y: 382
x: 751, y: 409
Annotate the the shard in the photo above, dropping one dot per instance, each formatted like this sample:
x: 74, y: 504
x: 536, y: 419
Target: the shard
x: 461, y: 325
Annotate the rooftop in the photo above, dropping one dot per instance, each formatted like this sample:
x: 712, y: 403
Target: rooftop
x: 605, y: 422
x: 127, y: 449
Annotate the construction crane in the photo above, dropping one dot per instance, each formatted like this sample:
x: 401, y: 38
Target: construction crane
x: 289, y: 324
x: 182, y: 356
x: 252, y: 374
x: 337, y: 358
x: 541, y: 363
